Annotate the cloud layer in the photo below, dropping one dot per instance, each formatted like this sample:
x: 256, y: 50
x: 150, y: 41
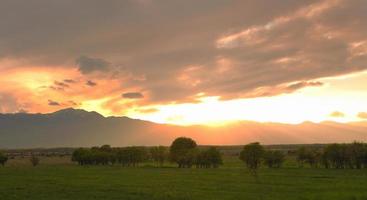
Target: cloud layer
x: 173, y: 51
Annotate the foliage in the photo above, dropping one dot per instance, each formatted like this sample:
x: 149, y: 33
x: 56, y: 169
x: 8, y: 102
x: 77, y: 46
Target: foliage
x: 308, y: 156
x: 345, y: 156
x: 252, y: 155
x: 183, y: 152
x: 210, y: 158
x: 127, y: 156
x: 159, y: 154
x: 273, y: 159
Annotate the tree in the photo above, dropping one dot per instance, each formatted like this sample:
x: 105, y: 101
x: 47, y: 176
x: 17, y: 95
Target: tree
x: 105, y: 148
x: 159, y: 154
x: 131, y: 156
x: 252, y: 154
x: 34, y: 160
x: 182, y: 151
x: 3, y: 158
x: 273, y: 159
x: 345, y: 155
x: 208, y: 158
x: 309, y: 156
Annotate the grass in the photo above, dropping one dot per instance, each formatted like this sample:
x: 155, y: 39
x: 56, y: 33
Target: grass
x: 52, y: 180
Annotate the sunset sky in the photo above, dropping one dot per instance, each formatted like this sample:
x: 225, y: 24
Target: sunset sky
x: 187, y: 61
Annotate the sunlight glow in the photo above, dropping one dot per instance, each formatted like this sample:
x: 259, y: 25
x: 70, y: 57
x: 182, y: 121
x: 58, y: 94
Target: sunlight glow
x: 310, y: 104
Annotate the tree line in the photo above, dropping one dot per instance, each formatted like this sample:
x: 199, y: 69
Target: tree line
x: 183, y: 151
x: 186, y: 154
x: 339, y: 156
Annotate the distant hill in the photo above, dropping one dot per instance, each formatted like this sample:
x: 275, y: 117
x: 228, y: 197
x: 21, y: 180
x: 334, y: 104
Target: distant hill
x: 75, y: 127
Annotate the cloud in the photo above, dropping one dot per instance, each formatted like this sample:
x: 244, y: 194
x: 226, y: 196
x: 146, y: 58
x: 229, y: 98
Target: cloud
x: 72, y: 103
x: 133, y: 95
x: 53, y: 103
x: 337, y: 114
x: 91, y: 83
x: 280, y: 89
x: 69, y: 81
x: 303, y: 84
x: 362, y: 115
x: 61, y: 84
x: 88, y: 65
x: 177, y: 49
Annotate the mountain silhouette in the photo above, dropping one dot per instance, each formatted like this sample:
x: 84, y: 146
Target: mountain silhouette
x: 75, y: 128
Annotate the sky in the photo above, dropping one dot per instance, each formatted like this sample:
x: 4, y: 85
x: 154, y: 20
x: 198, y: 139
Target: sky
x: 187, y: 62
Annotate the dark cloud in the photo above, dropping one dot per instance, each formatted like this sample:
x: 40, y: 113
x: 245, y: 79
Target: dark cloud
x: 133, y: 95
x: 53, y: 103
x: 91, y: 83
x: 87, y: 64
x: 362, y: 115
x: 337, y: 114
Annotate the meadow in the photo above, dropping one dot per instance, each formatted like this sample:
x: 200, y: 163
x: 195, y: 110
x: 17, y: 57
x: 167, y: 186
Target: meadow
x: 59, y: 178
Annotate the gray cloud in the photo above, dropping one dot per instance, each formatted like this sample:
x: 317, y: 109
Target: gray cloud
x: 133, y: 95
x: 88, y: 64
x: 278, y: 43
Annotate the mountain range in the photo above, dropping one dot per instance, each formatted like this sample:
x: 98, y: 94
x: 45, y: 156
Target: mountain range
x: 75, y: 128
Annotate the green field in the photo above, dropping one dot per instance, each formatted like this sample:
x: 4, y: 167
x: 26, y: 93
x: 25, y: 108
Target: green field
x: 57, y: 178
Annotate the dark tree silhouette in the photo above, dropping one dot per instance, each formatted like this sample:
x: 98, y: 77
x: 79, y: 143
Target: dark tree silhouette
x: 159, y: 154
x: 252, y: 155
x: 183, y: 152
x: 273, y: 159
